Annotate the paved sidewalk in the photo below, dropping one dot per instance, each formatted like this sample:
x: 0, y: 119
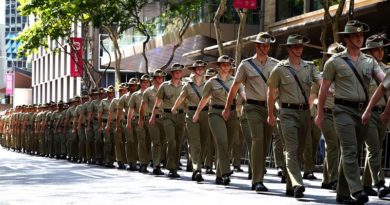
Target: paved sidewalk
x: 28, y: 179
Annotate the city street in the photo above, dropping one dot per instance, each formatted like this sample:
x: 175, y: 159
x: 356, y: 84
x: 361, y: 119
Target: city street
x: 28, y: 179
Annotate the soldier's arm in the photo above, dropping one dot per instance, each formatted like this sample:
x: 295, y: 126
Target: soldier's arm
x: 119, y: 113
x: 232, y: 94
x: 75, y: 123
x: 178, y: 101
x: 156, y: 106
x: 321, y: 101
x: 271, y: 94
x: 80, y: 121
x: 203, y: 102
x: 375, y: 98
x: 89, y: 119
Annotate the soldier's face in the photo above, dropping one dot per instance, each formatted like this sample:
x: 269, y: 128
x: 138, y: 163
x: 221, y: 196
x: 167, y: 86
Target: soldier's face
x: 296, y: 50
x: 356, y: 39
x: 378, y: 53
x: 263, y: 48
x: 176, y: 74
x: 145, y: 84
x: 225, y: 67
x: 159, y: 79
x: 133, y: 87
x: 199, y: 71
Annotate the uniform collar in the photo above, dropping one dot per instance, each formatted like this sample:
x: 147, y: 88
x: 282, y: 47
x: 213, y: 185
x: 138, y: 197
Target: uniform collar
x: 345, y: 54
x: 287, y: 63
x: 227, y: 79
x: 254, y: 58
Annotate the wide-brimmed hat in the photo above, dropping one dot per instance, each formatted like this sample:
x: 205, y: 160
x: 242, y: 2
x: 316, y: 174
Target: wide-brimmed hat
x: 221, y: 59
x: 159, y: 73
x: 264, y: 37
x: 296, y: 39
x: 84, y: 94
x: 334, y: 48
x: 94, y: 91
x: 133, y: 81
x: 210, y: 72
x: 176, y: 67
x: 102, y: 90
x: 122, y: 86
x: 145, y: 77
x: 110, y: 89
x: 196, y: 64
x: 376, y: 41
x: 354, y: 26
x: 60, y: 102
x: 76, y: 98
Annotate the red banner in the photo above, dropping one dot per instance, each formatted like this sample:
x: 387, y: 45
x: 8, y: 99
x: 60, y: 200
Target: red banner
x: 76, y: 57
x: 245, y: 4
x: 9, y: 90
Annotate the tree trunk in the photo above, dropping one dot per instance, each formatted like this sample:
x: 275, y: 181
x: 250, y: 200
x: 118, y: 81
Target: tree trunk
x: 221, y: 10
x: 323, y: 40
x: 144, y: 53
x: 118, y: 55
x: 241, y: 28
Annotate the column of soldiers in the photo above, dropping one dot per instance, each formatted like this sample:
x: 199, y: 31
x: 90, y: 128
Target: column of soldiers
x: 222, y: 109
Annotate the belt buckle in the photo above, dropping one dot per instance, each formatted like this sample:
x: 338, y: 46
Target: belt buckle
x: 380, y: 109
x: 360, y: 106
x: 300, y: 108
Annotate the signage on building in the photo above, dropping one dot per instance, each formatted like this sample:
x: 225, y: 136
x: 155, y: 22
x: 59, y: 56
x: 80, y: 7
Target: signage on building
x: 245, y: 4
x: 76, y: 57
x: 9, y: 89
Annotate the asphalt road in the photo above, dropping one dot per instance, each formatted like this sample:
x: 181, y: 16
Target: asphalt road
x: 26, y: 179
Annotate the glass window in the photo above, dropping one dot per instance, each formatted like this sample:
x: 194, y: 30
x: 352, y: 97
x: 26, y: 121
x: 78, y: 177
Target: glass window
x: 288, y: 8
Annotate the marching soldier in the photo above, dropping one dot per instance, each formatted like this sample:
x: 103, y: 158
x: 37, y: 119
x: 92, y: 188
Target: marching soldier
x: 292, y: 78
x: 71, y: 129
x: 376, y: 128
x: 58, y: 135
x: 79, y: 117
x: 173, y: 124
x: 199, y: 132
x: 139, y: 132
x: 131, y: 139
x: 90, y: 137
x: 108, y: 135
x: 155, y: 129
x: 253, y: 73
x: 224, y: 130
x: 94, y: 124
x: 117, y: 132
x: 351, y: 72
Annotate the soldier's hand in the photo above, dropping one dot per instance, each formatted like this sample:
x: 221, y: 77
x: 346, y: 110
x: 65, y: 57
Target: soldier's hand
x: 195, y: 118
x: 128, y: 126
x: 173, y: 111
x: 366, y: 117
x: 271, y: 120
x: 318, y: 120
x: 225, y: 114
x: 140, y: 123
x: 152, y: 121
x: 107, y: 128
x: 74, y: 131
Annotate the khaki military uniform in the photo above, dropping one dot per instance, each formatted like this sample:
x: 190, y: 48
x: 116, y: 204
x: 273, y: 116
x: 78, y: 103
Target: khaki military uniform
x: 107, y: 137
x: 295, y: 114
x: 199, y: 132
x: 97, y: 137
x: 347, y: 119
x: 256, y: 111
x: 224, y: 132
x: 81, y: 116
x: 312, y: 141
x: 375, y: 136
x: 156, y: 131
x: 137, y: 134
x: 119, y: 139
x: 72, y: 147
x: 173, y: 124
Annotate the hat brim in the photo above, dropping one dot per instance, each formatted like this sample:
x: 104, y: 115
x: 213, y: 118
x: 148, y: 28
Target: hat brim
x: 305, y: 42
x: 193, y: 67
x: 273, y: 40
x: 369, y: 48
x: 366, y: 29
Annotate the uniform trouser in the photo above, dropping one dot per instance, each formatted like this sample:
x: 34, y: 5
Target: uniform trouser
x: 120, y: 140
x: 209, y: 151
x: 224, y: 133
x: 198, y: 133
x: 332, y: 150
x: 294, y: 127
x: 351, y: 132
x: 261, y: 134
x: 17, y: 139
x: 82, y: 142
x: 174, y: 132
x: 90, y: 144
x: 144, y: 143
x: 246, y: 131
x: 99, y: 142
x: 374, y: 141
x: 63, y: 139
x: 109, y: 144
x: 73, y: 146
x: 58, y: 137
x: 236, y: 149
x: 49, y: 141
x: 41, y: 139
x: 22, y: 139
x: 278, y: 146
x: 132, y: 143
x: 312, y: 141
x: 157, y: 136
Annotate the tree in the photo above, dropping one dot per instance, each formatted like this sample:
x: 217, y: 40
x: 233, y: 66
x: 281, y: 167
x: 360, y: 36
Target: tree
x: 241, y: 28
x: 333, y: 21
x: 220, y: 11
